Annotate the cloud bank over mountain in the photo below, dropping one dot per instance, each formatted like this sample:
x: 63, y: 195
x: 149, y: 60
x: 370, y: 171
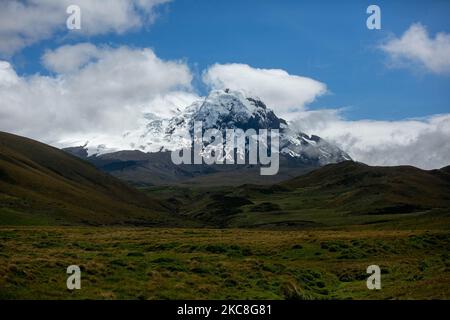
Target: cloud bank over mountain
x: 108, y: 94
x: 95, y: 89
x: 285, y: 93
x: 106, y: 91
x: 424, y: 143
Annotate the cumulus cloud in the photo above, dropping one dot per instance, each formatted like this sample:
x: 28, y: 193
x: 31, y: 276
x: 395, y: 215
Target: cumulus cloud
x: 416, y: 47
x: 99, y: 91
x: 70, y: 58
x: 283, y: 92
x: 25, y: 22
x: 424, y: 143
x: 106, y: 95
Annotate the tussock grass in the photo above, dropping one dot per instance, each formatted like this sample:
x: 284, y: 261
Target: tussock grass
x: 139, y: 263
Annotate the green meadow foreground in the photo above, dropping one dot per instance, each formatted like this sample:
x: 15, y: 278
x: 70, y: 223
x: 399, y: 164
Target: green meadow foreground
x: 172, y: 263
x: 309, y: 237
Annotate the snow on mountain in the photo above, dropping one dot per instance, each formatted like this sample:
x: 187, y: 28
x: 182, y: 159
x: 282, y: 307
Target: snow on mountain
x: 221, y: 109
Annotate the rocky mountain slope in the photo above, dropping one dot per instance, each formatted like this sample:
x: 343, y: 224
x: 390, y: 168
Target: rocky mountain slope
x: 145, y: 158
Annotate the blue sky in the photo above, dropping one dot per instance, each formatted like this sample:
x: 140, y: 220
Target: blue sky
x: 380, y: 95
x: 327, y: 41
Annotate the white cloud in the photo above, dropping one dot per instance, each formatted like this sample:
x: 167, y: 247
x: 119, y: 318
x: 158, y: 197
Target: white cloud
x: 70, y: 58
x: 424, y: 143
x: 165, y: 105
x: 106, y: 95
x: 284, y: 93
x: 23, y: 23
x: 416, y: 47
x: 99, y: 91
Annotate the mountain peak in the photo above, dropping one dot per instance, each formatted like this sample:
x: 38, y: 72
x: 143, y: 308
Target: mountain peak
x: 230, y: 109
x: 223, y: 109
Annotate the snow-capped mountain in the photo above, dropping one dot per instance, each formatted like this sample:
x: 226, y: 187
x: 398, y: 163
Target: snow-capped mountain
x: 141, y: 156
x: 221, y: 109
x: 224, y: 109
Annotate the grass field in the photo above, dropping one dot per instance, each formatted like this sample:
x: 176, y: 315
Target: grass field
x: 150, y: 263
x: 311, y: 237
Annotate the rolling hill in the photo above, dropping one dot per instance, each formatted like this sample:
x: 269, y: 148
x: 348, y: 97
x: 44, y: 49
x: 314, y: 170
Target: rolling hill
x: 363, y: 189
x: 142, y: 155
x: 40, y: 184
x: 346, y: 193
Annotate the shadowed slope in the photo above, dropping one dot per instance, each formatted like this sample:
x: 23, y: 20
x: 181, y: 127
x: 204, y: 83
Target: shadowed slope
x: 342, y: 194
x: 40, y: 184
x: 357, y: 187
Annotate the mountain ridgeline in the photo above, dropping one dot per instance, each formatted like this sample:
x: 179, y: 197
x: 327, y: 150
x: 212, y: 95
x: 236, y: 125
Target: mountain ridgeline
x: 144, y: 158
x: 42, y: 185
x: 342, y: 194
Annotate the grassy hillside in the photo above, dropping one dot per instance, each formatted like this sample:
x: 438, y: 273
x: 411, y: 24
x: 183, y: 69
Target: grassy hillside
x: 340, y: 194
x: 362, y: 189
x: 332, y: 223
x: 40, y: 184
x: 43, y: 185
